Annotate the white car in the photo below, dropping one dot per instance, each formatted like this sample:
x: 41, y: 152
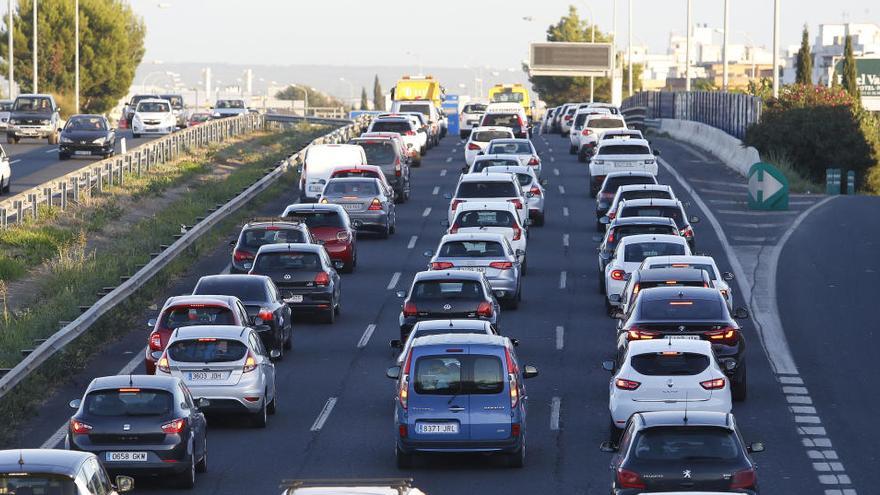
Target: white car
x: 638, y: 191
x: 229, y: 108
x: 5, y: 110
x: 319, y: 163
x: 482, y: 162
x: 566, y: 119
x: 630, y: 253
x: 488, y: 187
x: 493, y: 217
x: 522, y: 148
x: 408, y: 128
x: 594, y: 127
x: 620, y: 155
x: 470, y: 117
x: 153, y: 116
x: 480, y: 138
x: 577, y: 127
x: 666, y: 375
x: 531, y: 186
x: 707, y: 263
x: 5, y: 171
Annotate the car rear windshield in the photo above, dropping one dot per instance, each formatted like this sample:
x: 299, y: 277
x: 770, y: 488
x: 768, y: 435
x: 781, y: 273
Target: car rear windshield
x: 32, y: 104
x: 671, y: 282
x: 474, y: 108
x: 391, y: 126
x: 197, y: 314
x: 207, y: 351
x: 153, y: 107
x: 471, y: 249
x: 355, y: 173
x: 489, y: 189
x: 524, y: 179
x: 485, y: 218
x: 623, y: 149
x: 413, y: 107
x: 448, y: 330
x: 288, y: 261
x: 686, y: 443
x: 454, y: 375
x: 672, y: 212
x: 352, y: 188
x: 645, y: 194
x: 580, y: 119
x: 260, y: 236
x: 605, y: 124
x: 620, y: 135
x: 697, y: 266
x: 315, y: 219
x: 199, y: 117
x: 230, y: 104
x: 175, y: 100
x: 480, y: 165
x: 628, y: 230
x: 681, y: 309
x: 638, y: 251
x: 512, y: 148
x: 132, y: 401
x: 501, y: 119
x: 37, y: 484
x: 508, y: 96
x: 239, y: 287
x: 379, y: 152
x: 670, y: 363
x: 447, y: 289
x: 613, y: 183
x: 486, y: 136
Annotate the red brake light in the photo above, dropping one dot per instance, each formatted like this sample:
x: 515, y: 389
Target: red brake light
x: 744, y: 479
x: 611, y: 215
x: 568, y: 117
x: 501, y: 265
x: 409, y: 309
x: 629, y: 479
x: 611, y: 235
x: 155, y: 341
x: 441, y: 265
x: 713, y: 384
x: 474, y: 147
x: 322, y: 279
x: 636, y: 333
x: 617, y: 274
x: 624, y: 384
x: 726, y: 336
x: 517, y: 232
x: 175, y: 426
x: 586, y: 132
x: 250, y: 364
x: 375, y: 204
x: 687, y: 232
x: 454, y: 228
x: 535, y: 191
x: 240, y: 255
x: 455, y: 203
x: 80, y: 428
x: 516, y: 203
x: 265, y: 314
x: 485, y: 309
x: 534, y: 161
x: 409, y: 133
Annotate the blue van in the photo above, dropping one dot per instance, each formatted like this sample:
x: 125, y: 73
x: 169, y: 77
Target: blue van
x: 461, y: 393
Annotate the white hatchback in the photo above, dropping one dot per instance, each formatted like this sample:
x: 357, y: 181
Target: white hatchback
x: 493, y: 217
x: 620, y: 155
x: 153, y: 116
x: 707, y: 263
x: 630, y: 253
x: 488, y: 187
x: 480, y: 138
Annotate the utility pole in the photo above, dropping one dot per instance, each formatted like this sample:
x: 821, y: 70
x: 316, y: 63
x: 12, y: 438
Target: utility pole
x: 687, y: 50
x: 11, y: 57
x: 776, y: 49
x: 36, y: 72
x: 725, y: 77
x: 76, y: 54
x: 629, y: 55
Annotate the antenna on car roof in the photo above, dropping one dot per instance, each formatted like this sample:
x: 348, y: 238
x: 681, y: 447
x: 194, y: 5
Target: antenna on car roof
x: 20, y: 458
x: 130, y: 380
x: 685, y: 406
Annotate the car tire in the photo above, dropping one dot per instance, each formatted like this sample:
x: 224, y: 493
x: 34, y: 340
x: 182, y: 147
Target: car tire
x: 261, y: 418
x: 288, y: 342
x: 187, y: 479
x: 202, y: 465
x: 601, y: 277
x: 135, y: 135
x: 330, y: 315
x: 404, y: 460
x: 513, y: 302
x: 739, y: 388
x: 6, y: 185
x: 517, y: 459
x: 613, y: 432
x: 10, y: 139
x: 462, y: 134
x: 582, y: 155
x: 522, y: 268
x: 600, y: 227
x: 572, y: 149
x: 63, y: 156
x: 272, y: 408
x: 539, y: 219
x: 393, y: 227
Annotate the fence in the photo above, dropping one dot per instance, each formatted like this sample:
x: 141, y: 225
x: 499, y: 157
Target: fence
x: 733, y: 113
x: 71, y: 330
x: 98, y: 175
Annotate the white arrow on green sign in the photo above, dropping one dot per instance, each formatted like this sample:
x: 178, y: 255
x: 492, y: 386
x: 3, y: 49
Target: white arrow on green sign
x: 768, y: 188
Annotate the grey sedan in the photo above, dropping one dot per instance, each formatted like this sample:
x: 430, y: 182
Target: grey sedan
x: 368, y: 202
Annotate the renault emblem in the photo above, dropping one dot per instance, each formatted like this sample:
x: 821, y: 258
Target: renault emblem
x: 447, y: 306
x: 286, y: 276
x: 126, y: 427
x: 669, y: 383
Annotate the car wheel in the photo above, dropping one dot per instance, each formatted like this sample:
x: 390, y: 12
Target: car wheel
x: 582, y: 155
x: 9, y: 139
x: 135, y: 135
x: 7, y: 185
x: 63, y: 156
x: 522, y: 268
x: 404, y: 460
x: 16, y: 140
x: 512, y: 303
x: 517, y: 459
x: 462, y: 135
x: 601, y: 277
x: 739, y: 388
x: 613, y: 432
x: 272, y: 408
x: 539, y: 219
x: 385, y: 232
x: 187, y: 479
x: 288, y: 342
x: 261, y: 417
x: 572, y: 149
x: 600, y: 227
x: 330, y: 314
x: 202, y: 465
x: 393, y: 227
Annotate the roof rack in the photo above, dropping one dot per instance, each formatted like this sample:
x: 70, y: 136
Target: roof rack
x: 402, y: 485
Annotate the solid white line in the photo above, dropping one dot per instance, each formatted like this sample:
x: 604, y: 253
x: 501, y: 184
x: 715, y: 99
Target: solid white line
x: 394, y: 279
x: 53, y: 150
x: 720, y: 183
x: 448, y: 159
x: 564, y: 240
x: 412, y: 242
x: 759, y: 213
x: 555, y: 406
x: 436, y: 190
x: 565, y: 211
x: 750, y: 239
x: 720, y: 191
x: 561, y: 189
x: 426, y: 212
x: 14, y: 161
x: 726, y: 201
x: 365, y: 339
x: 560, y: 337
x: 755, y: 225
x: 555, y: 171
x: 443, y: 172
x: 226, y: 270
x: 324, y: 414
x: 562, y: 277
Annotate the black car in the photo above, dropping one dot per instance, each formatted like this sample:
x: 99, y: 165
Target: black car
x: 609, y: 188
x: 87, y: 135
x: 56, y: 471
x: 305, y: 276
x: 142, y: 424
x: 622, y: 227
x: 672, y: 451
x: 261, y: 231
x: 269, y: 314
x: 669, y: 208
x: 447, y: 294
x: 689, y: 312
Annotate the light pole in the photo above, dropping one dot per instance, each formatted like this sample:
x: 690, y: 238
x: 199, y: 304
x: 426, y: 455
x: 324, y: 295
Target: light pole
x: 11, y: 58
x: 629, y: 49
x: 76, y: 54
x: 687, y: 50
x: 592, y: 40
x: 776, y: 49
x: 35, y: 48
x: 725, y: 77
x: 613, y: 46
x: 305, y: 91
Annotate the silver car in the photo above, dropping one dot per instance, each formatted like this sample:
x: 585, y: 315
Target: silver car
x: 488, y: 253
x: 227, y: 365
x: 532, y: 188
x: 368, y: 202
x: 523, y: 149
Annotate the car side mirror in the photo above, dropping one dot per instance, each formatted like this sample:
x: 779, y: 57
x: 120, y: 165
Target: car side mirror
x: 151, y: 322
x: 741, y: 313
x: 694, y: 219
x: 396, y: 344
x: 357, y: 224
x: 529, y: 372
x: 605, y: 220
x: 203, y: 403
x: 520, y: 253
x: 528, y: 220
x: 338, y: 265
x: 614, y: 298
x: 75, y: 403
x: 430, y: 252
x: 233, y: 242
x: 544, y: 182
x: 393, y: 372
x: 656, y: 152
x: 608, y: 447
x: 274, y: 354
x: 124, y: 484
x: 615, y: 314
x: 727, y: 276
x: 514, y: 341
x: 401, y: 294
x: 529, y: 195
x: 444, y: 223
x: 608, y: 366
x: 464, y: 169
x: 756, y: 447
x: 447, y: 196
x: 481, y: 153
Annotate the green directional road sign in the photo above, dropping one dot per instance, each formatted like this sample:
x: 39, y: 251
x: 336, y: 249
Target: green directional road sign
x: 768, y: 188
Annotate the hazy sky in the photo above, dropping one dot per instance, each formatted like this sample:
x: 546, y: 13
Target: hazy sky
x: 449, y: 33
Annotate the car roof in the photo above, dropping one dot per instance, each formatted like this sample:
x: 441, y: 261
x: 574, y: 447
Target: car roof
x: 644, y: 187
x: 665, y: 293
x: 682, y: 258
x: 492, y: 128
x: 289, y: 246
x: 447, y: 274
x: 650, y: 202
x: 138, y: 381
x: 281, y: 222
x: 694, y: 418
x: 460, y: 339
x: 314, y: 207
x: 203, y: 331
x: 497, y: 156
x: 472, y: 236
x: 154, y: 100
x: 680, y: 274
x: 50, y: 461
x: 670, y: 344
x: 353, y: 179
x: 629, y: 173
x: 86, y: 115
x: 486, y: 205
x: 455, y: 323
x: 513, y: 169
x: 233, y: 277
x: 622, y: 142
x: 633, y: 239
x: 510, y: 140
x: 621, y: 221
x: 371, y: 168
x: 204, y: 299
x: 485, y: 177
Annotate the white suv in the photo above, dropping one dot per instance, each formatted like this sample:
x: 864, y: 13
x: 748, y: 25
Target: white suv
x: 480, y: 138
x: 624, y: 155
x: 577, y: 128
x: 153, y: 116
x: 594, y: 127
x: 489, y: 187
x: 470, y: 117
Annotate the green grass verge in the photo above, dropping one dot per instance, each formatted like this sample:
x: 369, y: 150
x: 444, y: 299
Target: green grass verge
x: 797, y: 182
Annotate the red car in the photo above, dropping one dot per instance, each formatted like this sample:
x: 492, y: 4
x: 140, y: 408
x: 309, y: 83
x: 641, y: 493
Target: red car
x: 182, y: 311
x: 198, y: 118
x: 330, y: 224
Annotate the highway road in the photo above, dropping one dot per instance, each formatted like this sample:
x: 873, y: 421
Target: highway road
x: 335, y: 410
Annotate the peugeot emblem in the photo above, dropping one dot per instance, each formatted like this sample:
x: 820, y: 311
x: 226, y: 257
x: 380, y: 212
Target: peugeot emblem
x: 447, y: 306
x: 126, y: 427
x: 681, y: 328
x: 286, y: 276
x: 686, y: 473
x: 669, y: 383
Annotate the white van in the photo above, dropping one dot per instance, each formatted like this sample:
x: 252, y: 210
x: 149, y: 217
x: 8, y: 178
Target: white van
x: 320, y: 161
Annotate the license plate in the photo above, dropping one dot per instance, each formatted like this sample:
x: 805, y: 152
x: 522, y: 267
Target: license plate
x: 437, y: 428
x: 626, y: 164
x: 79, y: 152
x: 352, y: 206
x: 126, y: 456
x: 684, y: 337
x: 316, y: 187
x: 206, y: 376
x: 481, y: 269
x: 295, y: 298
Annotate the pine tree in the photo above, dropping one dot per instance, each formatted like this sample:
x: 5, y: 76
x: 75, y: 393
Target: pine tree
x: 365, y: 104
x: 848, y: 74
x: 804, y: 60
x: 378, y: 95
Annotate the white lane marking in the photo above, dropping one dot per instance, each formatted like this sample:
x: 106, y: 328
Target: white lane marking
x: 324, y: 414
x: 561, y: 189
x: 226, y: 270
x: 758, y: 240
x: 562, y: 279
x: 365, y: 338
x: 448, y: 159
x: 61, y: 432
x: 791, y: 380
x: 552, y: 159
x: 426, y: 212
x: 564, y: 240
x: 53, y: 150
x: 436, y: 190
x: 394, y: 279
x: 795, y: 390
x: 722, y: 191
x: 720, y: 183
x: 755, y: 225
x: 550, y: 150
x: 443, y: 172
x: 412, y: 242
x: 14, y: 161
x: 761, y: 213
x: 799, y: 399
x: 560, y: 337
x: 565, y: 211
x: 555, y: 171
x: 726, y: 201
x: 555, y: 406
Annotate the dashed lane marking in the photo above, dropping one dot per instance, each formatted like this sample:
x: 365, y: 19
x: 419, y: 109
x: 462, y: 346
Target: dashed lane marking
x: 394, y: 279
x: 365, y: 338
x: 561, y: 189
x: 565, y: 240
x: 426, y: 212
x: 562, y: 279
x: 412, y: 242
x: 555, y: 407
x: 448, y: 159
x: 443, y: 173
x: 565, y: 211
x: 324, y: 414
x: 560, y: 337
x: 436, y: 190
x: 555, y: 171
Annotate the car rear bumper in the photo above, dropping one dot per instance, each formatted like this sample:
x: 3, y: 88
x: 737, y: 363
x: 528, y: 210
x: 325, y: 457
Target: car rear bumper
x: 163, y: 458
x: 229, y: 401
x: 622, y: 409
x: 30, y: 131
x: 462, y: 446
x: 311, y: 299
x: 375, y: 221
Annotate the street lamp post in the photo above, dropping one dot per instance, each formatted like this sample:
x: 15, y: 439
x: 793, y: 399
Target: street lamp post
x: 776, y: 49
x: 629, y: 55
x: 725, y: 78
x: 11, y: 58
x: 76, y: 54
x: 592, y: 40
x: 305, y: 91
x: 35, y: 48
x: 687, y: 50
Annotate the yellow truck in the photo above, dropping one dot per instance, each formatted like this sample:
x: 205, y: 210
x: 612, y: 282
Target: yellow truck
x: 511, y: 93
x: 410, y: 88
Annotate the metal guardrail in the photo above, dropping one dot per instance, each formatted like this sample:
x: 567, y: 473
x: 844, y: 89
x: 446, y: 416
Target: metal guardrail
x: 97, y: 175
x: 733, y: 113
x: 635, y: 117
x: 284, y: 118
x: 80, y: 325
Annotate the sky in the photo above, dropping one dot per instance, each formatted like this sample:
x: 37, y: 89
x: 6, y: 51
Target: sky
x: 453, y: 33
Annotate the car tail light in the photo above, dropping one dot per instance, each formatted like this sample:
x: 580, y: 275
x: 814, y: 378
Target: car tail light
x: 250, y: 363
x: 617, y: 274
x: 534, y: 161
x: 515, y: 429
x: 454, y: 228
x: 455, y: 203
x: 474, y: 147
x: 402, y: 430
x: 687, y: 232
x: 629, y: 479
x: 611, y: 215
x: 517, y: 232
x: 636, y: 333
x: 239, y: 255
x: 713, y: 384
x: 514, y: 389
x: 409, y: 133
x: 625, y: 384
x: 375, y: 204
x: 343, y: 236
x: 516, y: 203
x: 162, y: 364
x: 155, y: 341
x: 611, y: 235
x: 410, y: 309
x: 586, y: 132
x: 485, y: 309
x: 80, y: 428
x: 535, y: 191
x: 606, y: 195
x: 723, y: 292
x: 266, y: 314
x: 403, y: 390
x: 726, y: 336
x: 322, y: 279
x: 743, y: 479
x: 568, y: 117
x: 441, y: 265
x: 636, y: 289
x: 501, y: 265
x: 175, y: 426
x: 397, y: 171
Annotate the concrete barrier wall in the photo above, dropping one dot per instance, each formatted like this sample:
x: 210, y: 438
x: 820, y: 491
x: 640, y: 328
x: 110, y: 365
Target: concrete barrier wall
x: 727, y: 148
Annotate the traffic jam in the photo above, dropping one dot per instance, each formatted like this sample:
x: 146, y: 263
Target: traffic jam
x: 458, y: 374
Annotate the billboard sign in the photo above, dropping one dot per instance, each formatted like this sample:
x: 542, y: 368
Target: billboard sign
x: 572, y: 59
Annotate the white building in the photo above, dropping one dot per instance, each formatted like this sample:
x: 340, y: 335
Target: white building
x: 828, y: 47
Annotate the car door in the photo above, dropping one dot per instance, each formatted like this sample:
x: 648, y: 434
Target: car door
x: 438, y: 410
x: 266, y: 365
x: 490, y: 404
x: 197, y: 419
